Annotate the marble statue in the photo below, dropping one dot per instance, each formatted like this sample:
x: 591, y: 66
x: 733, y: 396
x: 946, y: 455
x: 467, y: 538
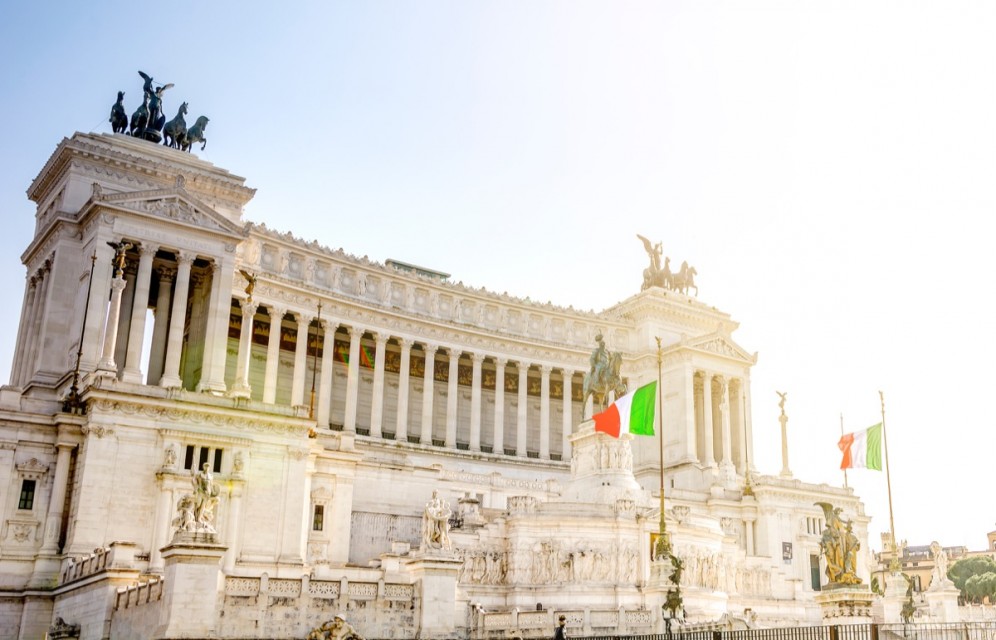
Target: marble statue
x: 205, y: 498
x: 603, y: 375
x: 839, y: 547
x: 436, y: 524
x: 335, y: 629
x: 940, y: 574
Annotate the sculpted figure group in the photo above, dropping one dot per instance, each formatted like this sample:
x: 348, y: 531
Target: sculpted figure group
x: 840, y: 547
x: 149, y: 123
x: 195, y: 512
x: 603, y: 375
x: 436, y: 524
x: 657, y: 275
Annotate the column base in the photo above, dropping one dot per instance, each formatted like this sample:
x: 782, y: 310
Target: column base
x: 170, y: 382
x: 106, y: 369
x: 132, y: 376
x: 240, y: 390
x: 217, y: 388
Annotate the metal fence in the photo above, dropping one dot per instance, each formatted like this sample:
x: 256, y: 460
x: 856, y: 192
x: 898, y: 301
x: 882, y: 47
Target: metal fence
x: 914, y: 631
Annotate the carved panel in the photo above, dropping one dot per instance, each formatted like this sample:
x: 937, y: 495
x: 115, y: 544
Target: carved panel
x: 241, y: 586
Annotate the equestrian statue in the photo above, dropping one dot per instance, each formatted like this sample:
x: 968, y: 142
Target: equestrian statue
x: 603, y: 376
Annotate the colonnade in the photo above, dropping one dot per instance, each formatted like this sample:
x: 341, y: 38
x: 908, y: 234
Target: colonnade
x: 722, y: 423
x: 411, y: 413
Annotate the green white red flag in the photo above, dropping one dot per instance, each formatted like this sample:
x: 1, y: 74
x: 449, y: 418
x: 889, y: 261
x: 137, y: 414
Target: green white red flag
x: 632, y: 413
x: 862, y: 449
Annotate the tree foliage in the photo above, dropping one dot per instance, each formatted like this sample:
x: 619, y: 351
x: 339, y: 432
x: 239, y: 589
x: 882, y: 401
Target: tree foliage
x: 975, y: 577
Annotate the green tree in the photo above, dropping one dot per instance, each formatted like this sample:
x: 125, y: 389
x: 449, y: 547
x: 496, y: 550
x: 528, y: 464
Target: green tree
x: 975, y: 577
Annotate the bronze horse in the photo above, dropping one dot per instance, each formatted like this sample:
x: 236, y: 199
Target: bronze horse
x: 176, y: 129
x: 119, y: 119
x: 599, y: 383
x: 195, y: 134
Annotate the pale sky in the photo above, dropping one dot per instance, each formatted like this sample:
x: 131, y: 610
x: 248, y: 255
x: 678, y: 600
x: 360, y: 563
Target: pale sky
x: 827, y: 167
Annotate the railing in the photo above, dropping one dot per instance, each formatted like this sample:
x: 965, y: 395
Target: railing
x: 913, y: 631
x: 76, y: 568
x: 138, y: 594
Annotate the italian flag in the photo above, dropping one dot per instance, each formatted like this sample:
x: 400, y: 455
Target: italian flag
x: 632, y: 413
x: 862, y: 449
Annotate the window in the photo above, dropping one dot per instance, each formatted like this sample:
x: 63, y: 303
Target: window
x: 27, y: 500
x: 814, y: 572
x: 319, y: 522
x: 203, y: 455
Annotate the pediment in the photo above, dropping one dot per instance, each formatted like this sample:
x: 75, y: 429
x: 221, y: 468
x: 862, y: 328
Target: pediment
x: 721, y: 345
x: 174, y: 204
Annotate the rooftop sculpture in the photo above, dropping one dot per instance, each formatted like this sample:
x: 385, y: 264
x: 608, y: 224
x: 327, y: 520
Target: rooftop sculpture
x: 661, y: 276
x: 148, y: 122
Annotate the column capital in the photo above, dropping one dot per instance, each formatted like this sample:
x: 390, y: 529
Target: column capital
x: 185, y: 257
x: 523, y: 366
x: 166, y: 274
x: 430, y: 348
x: 380, y: 338
x: 354, y: 331
x: 500, y: 362
x: 147, y: 249
x: 454, y: 353
x: 304, y: 319
x: 276, y: 312
x: 477, y: 358
x: 545, y: 370
x: 249, y: 307
x: 406, y: 343
x: 328, y: 324
x: 567, y: 373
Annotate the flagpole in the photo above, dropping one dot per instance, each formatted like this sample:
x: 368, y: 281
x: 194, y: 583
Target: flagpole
x: 663, y: 548
x: 842, y: 435
x: 888, y: 484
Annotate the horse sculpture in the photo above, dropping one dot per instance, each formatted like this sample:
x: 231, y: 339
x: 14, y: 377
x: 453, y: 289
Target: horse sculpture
x: 119, y: 119
x: 195, y: 134
x: 600, y: 381
x: 175, y: 129
x: 684, y: 280
x: 140, y: 119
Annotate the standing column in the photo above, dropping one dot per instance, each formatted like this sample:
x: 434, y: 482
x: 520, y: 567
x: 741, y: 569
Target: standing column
x: 241, y: 389
x: 216, y: 334
x: 428, y: 391
x: 749, y: 445
x: 724, y: 412
x: 37, y: 322
x: 377, y: 402
x: 544, y: 447
x: 107, y: 366
x: 272, y: 372
x: 24, y: 334
x: 565, y: 447
x: 327, y: 328
x: 741, y: 429
x: 53, y: 521
x: 475, y: 402
x: 300, y: 360
x: 353, y: 378
x: 160, y: 532
x: 178, y: 314
x: 404, y: 374
x: 451, y: 399
x: 520, y: 432
x: 499, y: 438
x: 234, y: 526
x: 160, y: 327
x: 124, y: 320
x: 139, y: 309
x: 710, y: 458
x: 690, y: 453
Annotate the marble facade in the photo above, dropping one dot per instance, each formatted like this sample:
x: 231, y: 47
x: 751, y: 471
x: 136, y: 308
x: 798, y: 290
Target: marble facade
x: 419, y: 385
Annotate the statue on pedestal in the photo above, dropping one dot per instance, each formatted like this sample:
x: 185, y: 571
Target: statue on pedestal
x: 436, y: 524
x: 840, y: 547
x: 603, y: 375
x: 657, y: 276
x: 939, y: 577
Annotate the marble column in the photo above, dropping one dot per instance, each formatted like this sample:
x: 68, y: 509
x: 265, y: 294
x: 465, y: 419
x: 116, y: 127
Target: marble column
x: 428, y: 393
x: 404, y: 376
x: 568, y: 404
x: 94, y: 322
x: 477, y: 359
x: 690, y: 449
x: 37, y: 323
x: 328, y: 328
x: 521, y: 426
x: 741, y: 428
x: 710, y: 457
x: 724, y: 411
x: 747, y: 424
x: 353, y: 379
x: 24, y: 334
x: 160, y: 326
x: 178, y: 314
x: 124, y: 320
x: 451, y: 399
x: 377, y: 399
x: 234, y: 526
x: 272, y: 371
x: 499, y: 435
x: 216, y: 332
x: 241, y: 388
x: 544, y: 447
x: 53, y: 521
x: 107, y: 366
x: 161, y: 525
x: 139, y: 309
x: 300, y: 360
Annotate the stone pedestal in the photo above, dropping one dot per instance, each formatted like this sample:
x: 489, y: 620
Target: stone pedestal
x: 435, y: 576
x: 193, y: 582
x: 601, y: 467
x: 846, y: 605
x: 892, y: 602
x: 943, y: 603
